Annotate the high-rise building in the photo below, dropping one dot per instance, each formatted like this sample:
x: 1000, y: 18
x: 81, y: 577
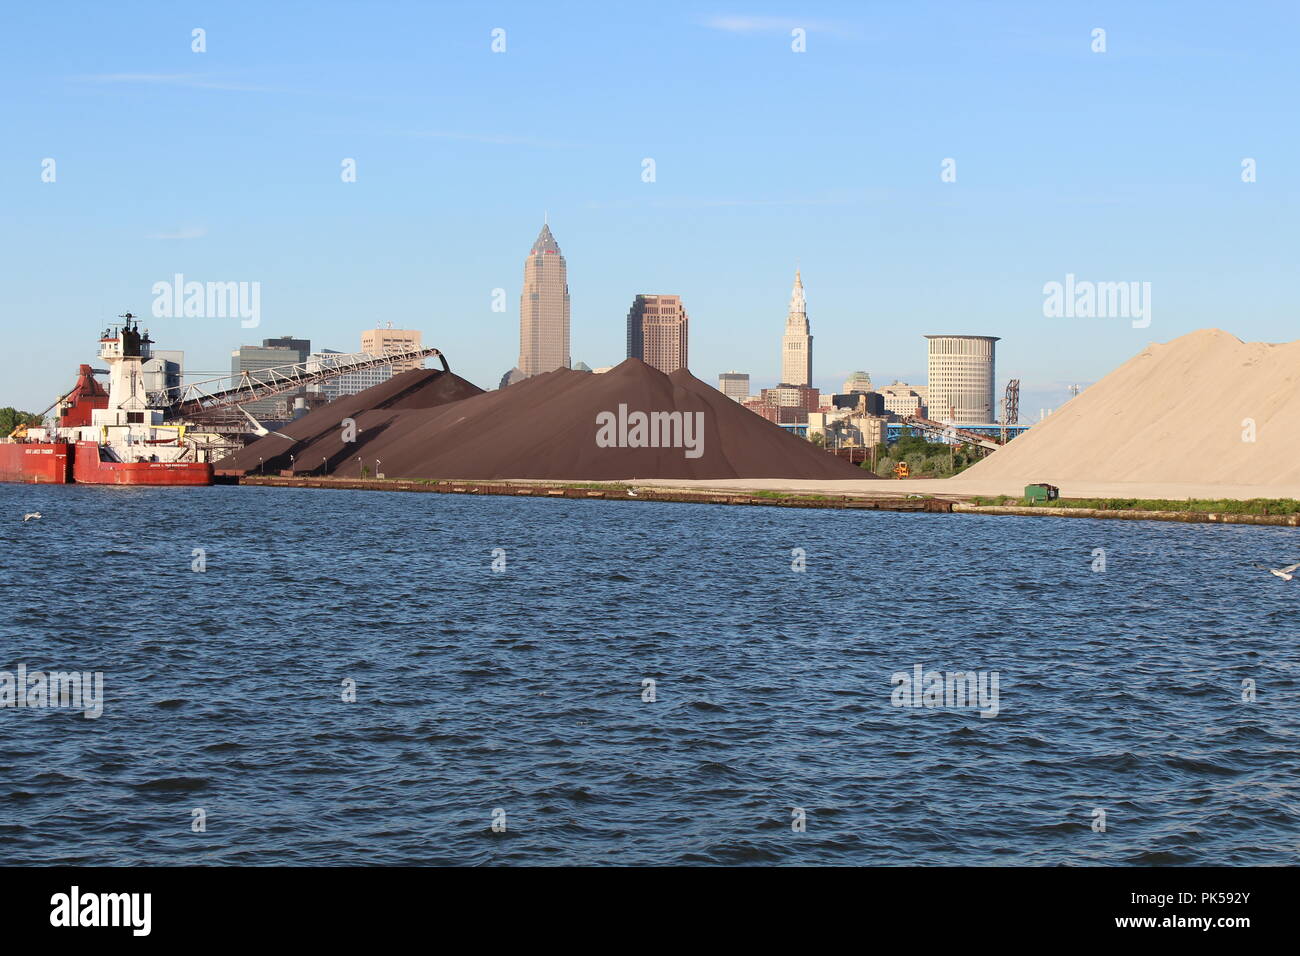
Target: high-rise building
x: 250, y: 358
x: 903, y: 399
x: 657, y: 329
x: 961, y: 379
x: 348, y: 383
x: 164, y: 370
x: 301, y: 349
x: 379, y: 341
x: 796, y: 344
x: 301, y: 346
x: 544, y: 308
x: 803, y: 397
x: 785, y: 404
x: 325, y: 358
x: 734, y: 385
x: 857, y: 382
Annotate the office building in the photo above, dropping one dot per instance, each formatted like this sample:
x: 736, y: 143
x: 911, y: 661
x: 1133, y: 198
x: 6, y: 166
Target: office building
x: 544, y: 308
x: 793, y: 396
x: 164, y: 370
x: 857, y: 382
x: 961, y: 370
x: 379, y: 341
x: 902, y: 399
x: 300, y: 347
x: 734, y: 385
x: 251, y: 358
x: 796, y: 344
x: 657, y: 328
x: 347, y: 383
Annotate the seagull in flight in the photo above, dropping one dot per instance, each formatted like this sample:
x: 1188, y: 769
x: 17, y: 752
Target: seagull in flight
x: 30, y: 515
x: 632, y: 493
x: 1286, y: 574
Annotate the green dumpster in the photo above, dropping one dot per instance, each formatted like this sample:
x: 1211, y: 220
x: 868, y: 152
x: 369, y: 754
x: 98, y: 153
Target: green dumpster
x: 1041, y: 492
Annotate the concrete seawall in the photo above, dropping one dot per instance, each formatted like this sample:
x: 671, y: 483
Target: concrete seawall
x: 633, y: 491
x: 1192, y: 517
x: 605, y: 491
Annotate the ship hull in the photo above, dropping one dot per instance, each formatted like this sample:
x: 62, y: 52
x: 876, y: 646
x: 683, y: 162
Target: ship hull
x: 89, y: 469
x: 116, y: 436
x: 33, y: 463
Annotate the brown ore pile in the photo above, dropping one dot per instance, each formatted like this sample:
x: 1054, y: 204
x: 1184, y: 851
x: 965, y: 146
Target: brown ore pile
x: 315, y: 441
x: 563, y: 425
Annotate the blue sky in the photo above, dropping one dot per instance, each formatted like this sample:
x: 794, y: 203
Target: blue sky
x: 224, y: 166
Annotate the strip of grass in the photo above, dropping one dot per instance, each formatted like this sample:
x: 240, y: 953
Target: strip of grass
x: 577, y: 485
x: 777, y: 494
x: 1253, y: 506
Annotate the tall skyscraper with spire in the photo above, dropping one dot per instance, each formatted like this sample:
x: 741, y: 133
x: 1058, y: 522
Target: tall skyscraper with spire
x: 544, y: 308
x: 796, y: 344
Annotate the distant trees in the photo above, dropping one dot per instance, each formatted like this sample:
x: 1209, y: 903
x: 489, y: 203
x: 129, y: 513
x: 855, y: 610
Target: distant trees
x: 11, y: 418
x: 924, y: 459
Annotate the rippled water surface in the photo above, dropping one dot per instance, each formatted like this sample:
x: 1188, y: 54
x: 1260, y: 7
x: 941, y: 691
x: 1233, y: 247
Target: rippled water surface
x: 521, y: 690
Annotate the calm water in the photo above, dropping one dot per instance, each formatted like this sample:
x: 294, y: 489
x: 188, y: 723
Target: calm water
x: 521, y: 690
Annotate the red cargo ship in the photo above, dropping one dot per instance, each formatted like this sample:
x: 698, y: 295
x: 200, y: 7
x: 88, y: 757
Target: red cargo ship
x: 43, y: 463
x: 107, y: 436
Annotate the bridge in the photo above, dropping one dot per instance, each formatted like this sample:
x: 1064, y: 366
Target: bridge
x: 984, y: 436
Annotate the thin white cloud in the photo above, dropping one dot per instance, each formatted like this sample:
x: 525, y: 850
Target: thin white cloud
x: 198, y: 81
x: 495, y: 139
x: 186, y: 232
x: 745, y: 24
x: 707, y: 203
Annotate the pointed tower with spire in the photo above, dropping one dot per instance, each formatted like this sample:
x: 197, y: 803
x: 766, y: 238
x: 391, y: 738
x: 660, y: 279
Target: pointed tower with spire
x: 544, y: 308
x: 796, y: 344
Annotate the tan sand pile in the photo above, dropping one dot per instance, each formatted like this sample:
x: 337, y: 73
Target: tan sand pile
x: 1174, y: 414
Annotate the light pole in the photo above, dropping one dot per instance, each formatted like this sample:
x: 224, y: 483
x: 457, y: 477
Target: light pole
x: 259, y: 466
x: 377, y: 464
x: 323, y: 463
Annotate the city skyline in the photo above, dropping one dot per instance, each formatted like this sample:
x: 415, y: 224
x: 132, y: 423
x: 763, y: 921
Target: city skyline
x: 444, y: 184
x: 543, y: 323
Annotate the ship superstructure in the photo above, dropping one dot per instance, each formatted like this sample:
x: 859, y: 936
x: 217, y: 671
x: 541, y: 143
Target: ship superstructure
x: 109, y: 436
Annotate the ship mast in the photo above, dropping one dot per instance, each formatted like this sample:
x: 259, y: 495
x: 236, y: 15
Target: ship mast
x: 125, y: 351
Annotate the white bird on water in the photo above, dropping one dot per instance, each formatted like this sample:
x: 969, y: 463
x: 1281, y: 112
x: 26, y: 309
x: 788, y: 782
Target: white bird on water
x: 1286, y: 574
x: 30, y: 515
